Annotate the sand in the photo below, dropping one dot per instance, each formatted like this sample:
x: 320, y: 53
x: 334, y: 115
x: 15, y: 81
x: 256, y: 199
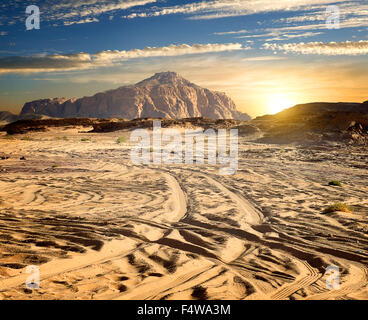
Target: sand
x: 100, y: 227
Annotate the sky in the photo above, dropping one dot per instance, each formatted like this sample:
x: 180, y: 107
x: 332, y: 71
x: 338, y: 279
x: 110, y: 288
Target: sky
x: 265, y: 54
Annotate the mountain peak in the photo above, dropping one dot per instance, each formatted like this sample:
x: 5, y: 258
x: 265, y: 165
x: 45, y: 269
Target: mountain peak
x: 164, y: 95
x: 166, y: 74
x: 168, y: 77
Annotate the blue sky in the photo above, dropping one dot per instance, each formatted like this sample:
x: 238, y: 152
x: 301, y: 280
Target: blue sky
x: 256, y: 51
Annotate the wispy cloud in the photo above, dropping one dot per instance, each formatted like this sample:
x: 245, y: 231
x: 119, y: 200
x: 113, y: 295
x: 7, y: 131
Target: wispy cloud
x: 281, y: 36
x: 264, y: 58
x: 225, y: 33
x: 68, y: 12
x: 348, y: 11
x: 81, y: 61
x: 229, y: 8
x: 95, y: 8
x: 321, y: 48
x: 308, y: 22
x: 87, y: 20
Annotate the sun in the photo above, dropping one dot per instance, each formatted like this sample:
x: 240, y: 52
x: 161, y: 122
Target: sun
x: 278, y: 103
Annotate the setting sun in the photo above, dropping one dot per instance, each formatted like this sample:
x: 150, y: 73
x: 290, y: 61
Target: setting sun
x: 278, y: 103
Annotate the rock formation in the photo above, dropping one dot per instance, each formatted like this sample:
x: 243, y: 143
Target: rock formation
x: 165, y: 95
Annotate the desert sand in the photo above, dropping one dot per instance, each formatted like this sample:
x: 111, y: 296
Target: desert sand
x: 100, y: 227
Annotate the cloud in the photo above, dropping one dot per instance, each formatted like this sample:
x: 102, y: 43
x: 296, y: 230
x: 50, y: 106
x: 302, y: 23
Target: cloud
x: 348, y: 12
x: 172, y: 50
x: 280, y: 36
x: 87, y: 20
x: 69, y: 12
x: 97, y: 8
x: 288, y: 36
x: 82, y: 61
x: 352, y: 15
x: 229, y: 8
x: 321, y: 48
x: 231, y: 32
x: 264, y: 58
x: 308, y: 22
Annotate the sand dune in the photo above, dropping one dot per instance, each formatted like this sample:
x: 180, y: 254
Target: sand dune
x: 100, y: 227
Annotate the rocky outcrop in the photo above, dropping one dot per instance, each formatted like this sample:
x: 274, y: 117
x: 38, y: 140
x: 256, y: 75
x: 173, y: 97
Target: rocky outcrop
x: 165, y: 95
x: 317, y: 123
x: 48, y: 107
x: 7, y: 117
x: 40, y: 125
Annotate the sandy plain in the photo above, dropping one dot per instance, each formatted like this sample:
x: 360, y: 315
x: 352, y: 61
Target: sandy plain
x: 100, y: 227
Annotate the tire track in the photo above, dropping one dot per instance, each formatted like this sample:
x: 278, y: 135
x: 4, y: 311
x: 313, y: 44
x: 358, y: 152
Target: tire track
x: 287, y: 290
x: 251, y: 215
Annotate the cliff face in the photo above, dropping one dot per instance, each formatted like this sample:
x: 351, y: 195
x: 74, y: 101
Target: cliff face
x: 165, y: 95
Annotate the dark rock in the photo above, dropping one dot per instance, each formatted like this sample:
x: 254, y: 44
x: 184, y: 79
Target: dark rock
x: 105, y: 125
x: 24, y: 126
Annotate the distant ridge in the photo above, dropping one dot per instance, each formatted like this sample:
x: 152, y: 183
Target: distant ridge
x: 164, y: 95
x: 321, y: 107
x: 317, y: 123
x: 6, y: 117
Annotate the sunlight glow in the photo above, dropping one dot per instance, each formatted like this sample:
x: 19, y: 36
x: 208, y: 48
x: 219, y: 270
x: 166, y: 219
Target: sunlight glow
x: 278, y: 103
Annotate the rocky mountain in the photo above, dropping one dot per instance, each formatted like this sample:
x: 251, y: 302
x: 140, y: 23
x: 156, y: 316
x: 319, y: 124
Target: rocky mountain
x: 165, y: 95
